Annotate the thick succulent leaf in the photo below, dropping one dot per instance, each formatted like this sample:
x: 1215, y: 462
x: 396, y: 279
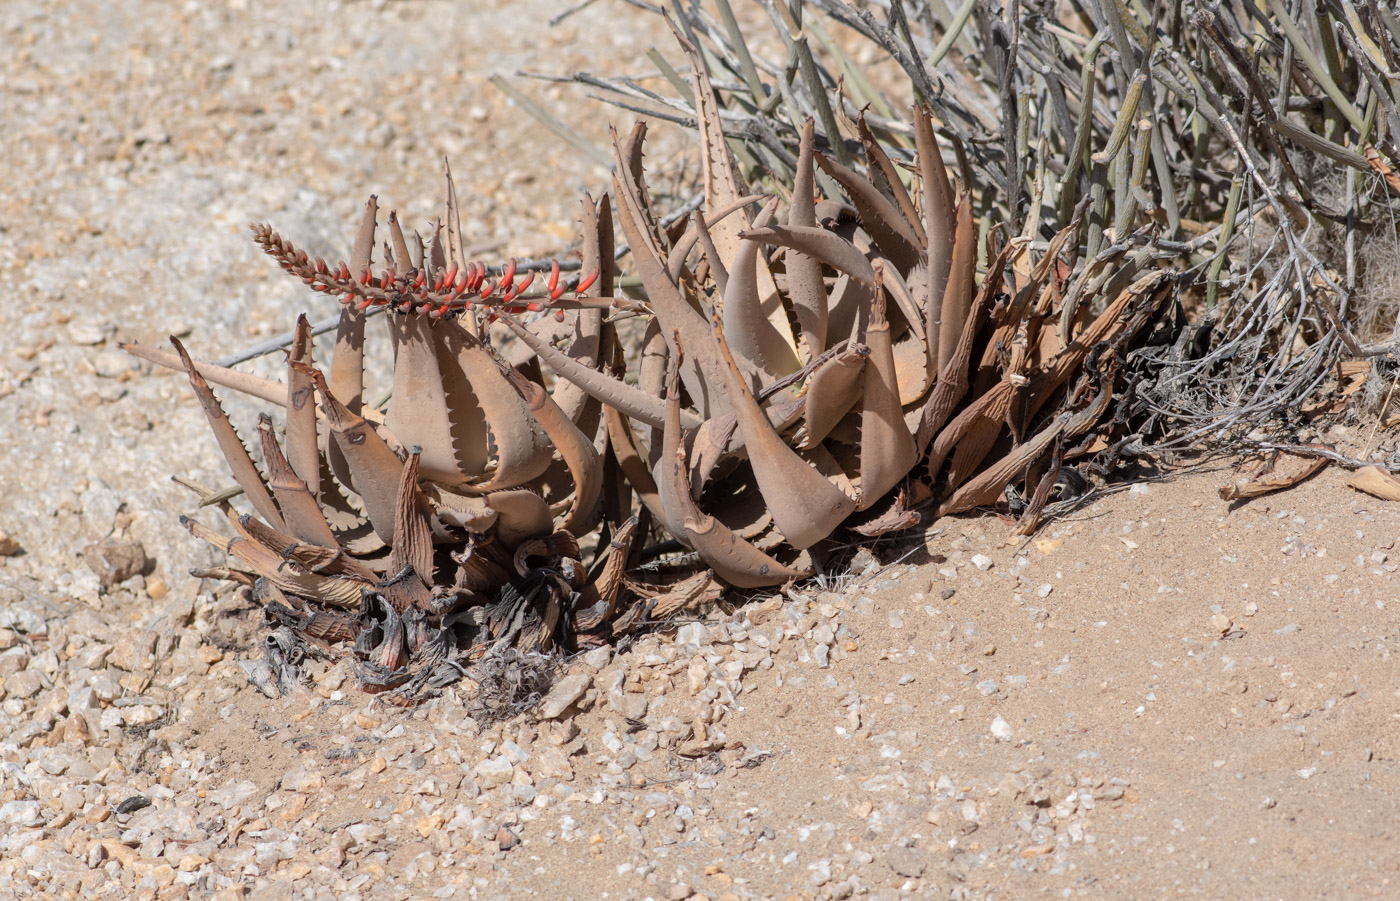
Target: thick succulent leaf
x: 806, y: 290
x: 775, y: 348
x: 630, y: 460
x: 586, y: 326
x: 418, y: 413
x: 885, y: 178
x: 753, y: 335
x: 522, y: 449
x: 827, y: 246
x: 675, y: 261
x: 452, y: 222
x: 469, y: 512
x: 719, y: 265
x: 578, y: 452
x: 634, y: 402
x: 471, y: 435
x: 373, y: 467
x: 733, y: 559
x: 303, y: 449
x: 347, y: 376
x: 962, y: 277
x: 806, y: 506
x: 887, y: 451
x: 244, y: 472
x: 651, y: 378
x: 940, y: 219
x: 269, y: 390
x: 521, y: 515
x: 411, y: 570
x: 300, y: 509
x: 400, y: 256
x: 675, y: 314
x: 880, y: 217
x: 832, y: 390
x: 850, y: 306
x: 347, y: 381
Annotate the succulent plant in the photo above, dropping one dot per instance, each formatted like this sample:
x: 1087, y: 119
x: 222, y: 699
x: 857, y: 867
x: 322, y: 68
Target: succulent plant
x: 808, y: 368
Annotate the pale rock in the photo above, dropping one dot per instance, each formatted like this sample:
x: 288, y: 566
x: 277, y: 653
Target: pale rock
x: 23, y: 684
x: 598, y: 657
x: 366, y: 833
x: 20, y: 813
x: 233, y: 792
x: 495, y: 771
x: 564, y: 693
x: 553, y: 763
x: 303, y: 780
x: 141, y: 715
x: 629, y: 706
x: 105, y: 687
x: 1001, y: 729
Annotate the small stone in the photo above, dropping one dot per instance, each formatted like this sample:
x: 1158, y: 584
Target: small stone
x: 598, y: 657
x: 552, y: 763
x: 114, y: 561
x: 1221, y: 623
x: 982, y: 562
x: 86, y: 333
x: 302, y: 780
x: 564, y: 693
x: 142, y: 715
x: 679, y: 891
x: 20, y: 813
x: 629, y: 706
x: 366, y: 833
x: 495, y: 771
x: 156, y: 588
x: 8, y: 546
x: 691, y: 634
x: 23, y: 684
x: 505, y: 839
x: 906, y: 862
x: 1001, y: 729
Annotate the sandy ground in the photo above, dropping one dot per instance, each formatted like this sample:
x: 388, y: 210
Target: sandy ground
x: 1167, y: 695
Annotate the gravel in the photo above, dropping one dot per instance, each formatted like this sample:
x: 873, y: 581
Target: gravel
x: 825, y: 743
